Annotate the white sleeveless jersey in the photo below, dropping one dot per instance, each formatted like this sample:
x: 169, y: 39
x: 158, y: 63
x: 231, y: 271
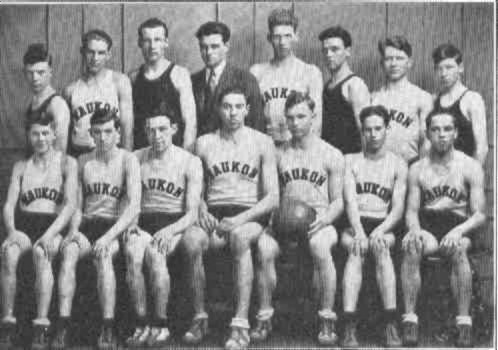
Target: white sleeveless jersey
x: 403, y: 134
x: 164, y: 181
x: 444, y: 190
x: 232, y: 170
x: 104, y: 185
x: 275, y: 84
x: 303, y: 174
x: 42, y: 191
x: 374, y: 181
x: 86, y: 98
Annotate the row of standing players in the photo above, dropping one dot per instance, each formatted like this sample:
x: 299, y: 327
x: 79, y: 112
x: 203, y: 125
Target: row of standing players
x: 238, y: 162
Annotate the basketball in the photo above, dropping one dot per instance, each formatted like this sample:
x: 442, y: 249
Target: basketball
x: 292, y: 219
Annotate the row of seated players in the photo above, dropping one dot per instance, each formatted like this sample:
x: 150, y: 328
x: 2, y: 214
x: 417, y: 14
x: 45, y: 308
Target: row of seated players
x: 153, y: 201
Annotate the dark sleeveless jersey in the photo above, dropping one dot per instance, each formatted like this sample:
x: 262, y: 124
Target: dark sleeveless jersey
x: 465, y: 141
x: 147, y: 96
x: 338, y: 124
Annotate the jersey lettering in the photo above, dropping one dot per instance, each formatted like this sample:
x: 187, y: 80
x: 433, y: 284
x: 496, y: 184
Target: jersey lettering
x: 41, y: 193
x: 103, y: 189
x: 400, y: 117
x: 232, y: 167
x: 91, y: 107
x: 370, y: 187
x: 302, y: 174
x: 443, y: 191
x: 276, y: 92
x: 163, y: 186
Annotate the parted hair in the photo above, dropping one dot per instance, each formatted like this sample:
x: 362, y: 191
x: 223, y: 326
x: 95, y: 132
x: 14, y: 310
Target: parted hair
x: 435, y: 112
x: 37, y: 53
x: 296, y: 97
x: 232, y: 89
x: 280, y: 17
x: 152, y: 23
x: 377, y: 110
x: 96, y: 34
x: 336, y: 32
x: 40, y: 117
x: 210, y: 28
x: 398, y: 42
x: 164, y: 110
x: 445, y: 51
x: 102, y: 116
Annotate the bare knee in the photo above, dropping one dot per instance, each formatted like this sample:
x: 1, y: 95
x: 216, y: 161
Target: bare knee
x: 319, y: 249
x: 10, y: 258
x: 239, y: 242
x: 194, y: 241
x: 267, y: 249
x: 134, y: 254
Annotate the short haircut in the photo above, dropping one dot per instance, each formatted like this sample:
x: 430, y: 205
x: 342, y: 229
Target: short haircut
x: 152, y: 23
x: 296, y: 97
x: 445, y: 51
x: 96, y: 34
x: 232, y: 89
x: 435, y: 112
x: 210, y: 28
x: 165, y: 110
x: 279, y: 17
x: 336, y: 32
x: 37, y: 53
x: 398, y: 42
x: 102, y: 116
x: 40, y: 117
x: 377, y: 110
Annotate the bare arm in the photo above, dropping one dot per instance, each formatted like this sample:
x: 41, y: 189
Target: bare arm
x: 181, y: 79
x: 476, y: 112
x: 359, y: 97
x: 75, y: 223
x: 425, y: 108
x: 336, y: 183
x: 60, y: 111
x: 125, y: 111
x: 350, y: 200
x: 413, y: 202
x: 315, y: 91
x: 12, y: 197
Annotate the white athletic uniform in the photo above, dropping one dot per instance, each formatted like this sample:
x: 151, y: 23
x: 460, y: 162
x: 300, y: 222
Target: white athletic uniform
x: 276, y: 82
x: 86, y: 98
x: 403, y: 134
x: 374, y: 181
x: 164, y: 181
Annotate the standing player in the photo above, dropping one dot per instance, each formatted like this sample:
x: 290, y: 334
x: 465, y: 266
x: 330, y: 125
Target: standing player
x: 241, y: 190
x: 98, y: 88
x: 38, y: 72
x: 407, y: 104
x: 445, y: 206
x: 344, y: 95
x: 40, y: 202
x: 171, y: 192
x: 109, y: 195
x: 465, y: 105
x: 285, y: 73
x: 310, y: 170
x: 374, y: 192
x: 160, y: 81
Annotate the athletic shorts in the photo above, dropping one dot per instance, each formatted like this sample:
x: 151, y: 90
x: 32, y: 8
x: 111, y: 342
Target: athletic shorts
x: 219, y: 212
x: 34, y: 225
x: 153, y: 222
x: 439, y: 223
x: 95, y: 227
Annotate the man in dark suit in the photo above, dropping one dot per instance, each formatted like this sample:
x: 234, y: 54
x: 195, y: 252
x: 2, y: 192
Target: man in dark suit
x: 217, y: 75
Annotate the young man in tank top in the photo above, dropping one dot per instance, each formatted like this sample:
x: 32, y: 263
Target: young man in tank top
x: 344, y: 95
x: 241, y: 190
x: 40, y: 202
x: 407, y: 104
x: 109, y: 202
x: 98, y: 88
x: 444, y: 209
x: 374, y: 195
x: 158, y: 81
x: 467, y: 106
x: 171, y: 192
x: 285, y: 73
x: 38, y: 72
x: 312, y: 171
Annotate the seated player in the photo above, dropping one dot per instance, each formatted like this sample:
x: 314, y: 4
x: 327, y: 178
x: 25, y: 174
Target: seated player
x: 241, y: 190
x: 310, y: 170
x: 445, y: 207
x: 171, y: 192
x: 40, y: 202
x: 374, y: 192
x: 109, y: 195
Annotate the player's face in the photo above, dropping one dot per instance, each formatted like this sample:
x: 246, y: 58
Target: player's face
x: 160, y: 132
x: 153, y: 43
x: 396, y: 63
x: 233, y: 111
x: 282, y: 38
x: 374, y: 132
x: 299, y: 120
x: 448, y: 72
x: 96, y: 55
x: 442, y: 132
x: 213, y: 49
x: 105, y: 135
x: 335, y: 53
x: 38, y: 75
x: 41, y: 138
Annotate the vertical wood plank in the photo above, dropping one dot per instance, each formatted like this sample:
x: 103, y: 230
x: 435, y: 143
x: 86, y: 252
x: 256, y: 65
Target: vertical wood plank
x: 106, y: 17
x: 19, y: 27
x: 238, y: 16
x: 65, y: 29
x: 365, y: 23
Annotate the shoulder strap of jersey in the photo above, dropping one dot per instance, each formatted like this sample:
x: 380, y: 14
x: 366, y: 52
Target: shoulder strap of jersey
x: 170, y: 68
x: 461, y: 96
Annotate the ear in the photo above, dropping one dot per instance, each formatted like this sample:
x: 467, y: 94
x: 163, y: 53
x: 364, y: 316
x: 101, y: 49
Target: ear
x: 166, y: 41
x: 348, y: 52
x: 174, y: 127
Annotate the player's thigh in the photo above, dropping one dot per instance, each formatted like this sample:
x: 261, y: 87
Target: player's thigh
x: 429, y: 242
x: 134, y: 242
x: 17, y: 245
x: 54, y: 246
x: 193, y: 241
x: 267, y: 246
x: 347, y: 238
x: 76, y: 246
x: 322, y: 241
x: 244, y: 235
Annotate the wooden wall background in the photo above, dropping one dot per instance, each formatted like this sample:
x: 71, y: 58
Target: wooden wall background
x: 470, y: 26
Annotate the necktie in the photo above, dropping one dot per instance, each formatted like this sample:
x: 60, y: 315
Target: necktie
x: 211, y: 81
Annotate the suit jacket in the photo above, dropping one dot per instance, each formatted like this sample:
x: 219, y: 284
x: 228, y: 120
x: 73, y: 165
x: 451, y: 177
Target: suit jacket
x: 207, y: 118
